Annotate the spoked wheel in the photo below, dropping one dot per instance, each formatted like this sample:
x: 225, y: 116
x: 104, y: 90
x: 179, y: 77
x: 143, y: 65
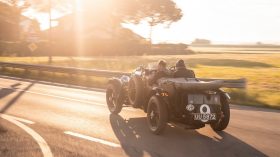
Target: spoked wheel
x: 132, y: 91
x: 157, y: 115
x: 136, y: 91
x: 222, y: 123
x: 154, y: 116
x: 114, y: 103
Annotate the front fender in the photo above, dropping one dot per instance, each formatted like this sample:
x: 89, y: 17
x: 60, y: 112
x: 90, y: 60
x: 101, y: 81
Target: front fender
x: 115, y: 80
x: 151, y: 92
x: 117, y: 83
x: 224, y: 94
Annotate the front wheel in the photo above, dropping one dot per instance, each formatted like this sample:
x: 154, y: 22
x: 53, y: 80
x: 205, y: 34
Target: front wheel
x: 157, y: 115
x: 222, y: 123
x: 114, y: 102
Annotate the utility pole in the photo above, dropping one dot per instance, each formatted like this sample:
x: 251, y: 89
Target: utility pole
x: 151, y: 23
x: 50, y: 32
x: 150, y: 33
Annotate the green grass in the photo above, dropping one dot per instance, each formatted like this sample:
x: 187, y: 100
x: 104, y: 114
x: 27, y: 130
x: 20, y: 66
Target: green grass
x: 228, y: 49
x: 262, y: 71
x: 57, y: 77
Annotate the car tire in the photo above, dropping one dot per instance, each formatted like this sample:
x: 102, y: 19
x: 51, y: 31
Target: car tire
x: 157, y: 115
x: 135, y: 92
x: 114, y: 101
x: 222, y: 124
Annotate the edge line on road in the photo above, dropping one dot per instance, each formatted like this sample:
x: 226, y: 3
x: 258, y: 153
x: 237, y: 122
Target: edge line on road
x: 108, y: 143
x: 20, y: 119
x: 65, y: 98
x: 40, y: 141
x: 49, y: 95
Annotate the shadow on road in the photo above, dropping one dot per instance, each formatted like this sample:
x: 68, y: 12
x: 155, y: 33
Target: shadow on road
x: 6, y: 91
x: 136, y: 140
x: 3, y: 93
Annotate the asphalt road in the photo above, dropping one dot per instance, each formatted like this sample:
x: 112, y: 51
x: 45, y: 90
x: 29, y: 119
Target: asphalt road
x: 46, y: 119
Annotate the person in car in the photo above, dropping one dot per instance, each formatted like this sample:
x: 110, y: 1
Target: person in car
x: 162, y: 71
x: 182, y: 71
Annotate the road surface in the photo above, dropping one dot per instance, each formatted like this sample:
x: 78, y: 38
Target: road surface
x: 47, y: 119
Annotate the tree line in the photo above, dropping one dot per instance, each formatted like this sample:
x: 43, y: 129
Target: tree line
x: 89, y: 28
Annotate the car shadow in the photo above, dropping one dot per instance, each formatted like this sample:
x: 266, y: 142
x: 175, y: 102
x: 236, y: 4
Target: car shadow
x: 137, y: 141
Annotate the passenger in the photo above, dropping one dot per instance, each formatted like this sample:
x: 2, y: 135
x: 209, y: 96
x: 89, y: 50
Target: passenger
x: 182, y: 71
x: 162, y: 71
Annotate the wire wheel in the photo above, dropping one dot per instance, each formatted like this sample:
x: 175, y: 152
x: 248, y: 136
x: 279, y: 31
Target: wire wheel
x: 153, y: 116
x: 157, y: 115
x: 136, y: 92
x: 132, y: 90
x: 114, y: 103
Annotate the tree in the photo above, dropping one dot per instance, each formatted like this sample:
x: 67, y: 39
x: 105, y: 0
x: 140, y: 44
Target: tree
x: 154, y: 12
x: 17, y: 4
x: 47, y: 6
x: 201, y: 42
x: 10, y: 11
x: 122, y: 11
x: 116, y: 12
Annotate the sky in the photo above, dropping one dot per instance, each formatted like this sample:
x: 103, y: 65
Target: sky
x: 221, y: 21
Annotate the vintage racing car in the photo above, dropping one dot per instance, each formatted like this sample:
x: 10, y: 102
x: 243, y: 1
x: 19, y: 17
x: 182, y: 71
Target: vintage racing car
x: 187, y: 101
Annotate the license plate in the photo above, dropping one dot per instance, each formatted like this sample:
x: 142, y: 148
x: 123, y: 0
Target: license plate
x: 204, y: 116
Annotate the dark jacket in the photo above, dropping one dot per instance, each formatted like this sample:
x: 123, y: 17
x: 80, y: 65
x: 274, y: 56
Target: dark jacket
x: 184, y: 72
x: 158, y: 75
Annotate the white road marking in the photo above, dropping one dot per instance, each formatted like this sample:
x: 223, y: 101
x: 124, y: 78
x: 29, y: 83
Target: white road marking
x: 65, y: 98
x: 20, y: 119
x: 41, y: 142
x: 108, y: 143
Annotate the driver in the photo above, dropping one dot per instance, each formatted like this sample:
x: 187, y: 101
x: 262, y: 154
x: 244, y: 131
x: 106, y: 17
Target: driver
x: 161, y: 72
x: 182, y: 71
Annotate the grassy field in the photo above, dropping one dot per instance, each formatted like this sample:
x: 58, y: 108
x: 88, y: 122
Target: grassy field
x: 236, y: 49
x: 262, y: 71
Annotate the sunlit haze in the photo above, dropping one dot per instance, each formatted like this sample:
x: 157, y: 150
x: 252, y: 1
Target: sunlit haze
x: 139, y: 78
x: 221, y: 21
